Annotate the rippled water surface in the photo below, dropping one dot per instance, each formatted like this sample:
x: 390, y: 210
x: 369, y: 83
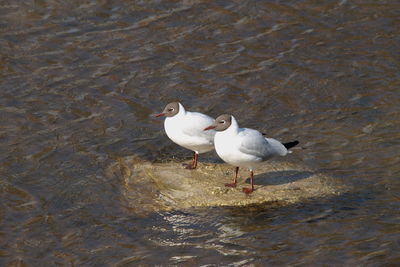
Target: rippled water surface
x: 79, y: 80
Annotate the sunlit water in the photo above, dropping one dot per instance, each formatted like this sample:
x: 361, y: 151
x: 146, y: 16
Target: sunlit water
x: 79, y: 80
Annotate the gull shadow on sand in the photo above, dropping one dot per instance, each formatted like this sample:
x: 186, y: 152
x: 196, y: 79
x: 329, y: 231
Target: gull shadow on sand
x: 279, y: 177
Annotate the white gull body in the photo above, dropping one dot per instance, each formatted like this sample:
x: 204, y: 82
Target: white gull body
x: 187, y: 130
x: 245, y: 147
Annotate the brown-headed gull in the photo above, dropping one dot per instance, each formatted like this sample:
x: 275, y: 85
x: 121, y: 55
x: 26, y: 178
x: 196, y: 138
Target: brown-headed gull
x: 243, y: 147
x: 187, y: 130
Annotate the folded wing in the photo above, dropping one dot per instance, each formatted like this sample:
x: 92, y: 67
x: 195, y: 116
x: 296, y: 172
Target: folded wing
x: 195, y: 123
x: 255, y: 144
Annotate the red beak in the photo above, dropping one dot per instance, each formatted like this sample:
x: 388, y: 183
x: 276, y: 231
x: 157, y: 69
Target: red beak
x: 210, y: 127
x: 159, y: 115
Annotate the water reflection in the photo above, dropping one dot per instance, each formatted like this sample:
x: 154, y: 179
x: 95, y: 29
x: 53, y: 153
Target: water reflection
x: 189, y: 231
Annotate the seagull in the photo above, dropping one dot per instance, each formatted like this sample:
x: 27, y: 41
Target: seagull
x: 187, y: 130
x: 244, y: 147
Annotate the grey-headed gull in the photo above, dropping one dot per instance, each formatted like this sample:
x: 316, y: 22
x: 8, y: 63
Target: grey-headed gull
x: 244, y: 147
x: 187, y: 130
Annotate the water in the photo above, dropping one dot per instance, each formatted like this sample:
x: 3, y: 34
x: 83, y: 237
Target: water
x: 80, y: 79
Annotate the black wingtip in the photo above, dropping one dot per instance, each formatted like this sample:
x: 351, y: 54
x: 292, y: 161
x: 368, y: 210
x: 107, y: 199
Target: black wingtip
x: 291, y: 144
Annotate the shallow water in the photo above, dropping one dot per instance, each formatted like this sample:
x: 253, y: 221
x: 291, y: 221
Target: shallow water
x: 79, y: 81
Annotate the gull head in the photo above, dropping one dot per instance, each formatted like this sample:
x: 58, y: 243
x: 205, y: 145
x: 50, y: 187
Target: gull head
x: 170, y: 110
x: 221, y: 123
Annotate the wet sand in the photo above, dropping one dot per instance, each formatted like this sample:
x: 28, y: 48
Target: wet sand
x: 174, y: 187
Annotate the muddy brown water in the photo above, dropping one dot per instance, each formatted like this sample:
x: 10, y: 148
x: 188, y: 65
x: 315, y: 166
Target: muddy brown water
x: 80, y: 79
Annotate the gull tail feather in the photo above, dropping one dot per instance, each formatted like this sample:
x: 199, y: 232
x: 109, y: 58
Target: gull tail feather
x: 291, y: 144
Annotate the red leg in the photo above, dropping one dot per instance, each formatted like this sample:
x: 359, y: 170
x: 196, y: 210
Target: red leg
x: 195, y: 159
x: 249, y: 190
x: 193, y: 165
x: 235, y: 180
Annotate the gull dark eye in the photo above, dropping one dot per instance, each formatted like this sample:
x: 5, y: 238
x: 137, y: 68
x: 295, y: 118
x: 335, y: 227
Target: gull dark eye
x: 222, y: 121
x: 170, y: 109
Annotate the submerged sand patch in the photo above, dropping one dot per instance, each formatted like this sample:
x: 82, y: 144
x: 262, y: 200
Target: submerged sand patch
x: 165, y: 186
